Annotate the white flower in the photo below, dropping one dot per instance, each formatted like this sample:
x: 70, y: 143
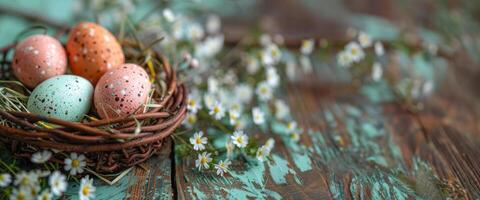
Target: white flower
x: 239, y: 139
x: 344, y: 59
x: 354, y: 51
x: 75, y: 163
x: 236, y: 107
x: 193, y: 104
x: 234, y: 115
x: 198, y: 141
x: 24, y: 178
x: 281, y: 109
x: 58, y: 183
x: 291, y: 126
x: 45, y: 195
x: 203, y: 160
x: 258, y: 116
x: 272, y: 76
x: 290, y: 69
x: 168, y: 14
x: 41, y: 157
x: 213, y: 24
x: 230, y: 147
x: 271, y: 54
x: 209, y: 100
x: 307, y: 46
x: 364, y: 39
x: 210, y: 47
x: 377, y: 71
x: 222, y: 167
x: 22, y: 193
x: 5, y: 180
x: 295, y: 136
x: 379, y: 50
x: 262, y: 153
x: 195, y: 31
x: 217, y: 111
x: 190, y: 120
x: 87, y: 189
x: 264, y: 91
x: 270, y: 144
x: 252, y: 65
x: 244, y: 93
x: 212, y: 85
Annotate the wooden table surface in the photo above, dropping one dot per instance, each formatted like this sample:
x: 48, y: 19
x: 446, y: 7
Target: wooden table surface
x: 353, y: 148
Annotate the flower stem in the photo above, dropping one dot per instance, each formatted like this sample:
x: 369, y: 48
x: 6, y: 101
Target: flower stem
x: 7, y: 167
x: 217, y: 123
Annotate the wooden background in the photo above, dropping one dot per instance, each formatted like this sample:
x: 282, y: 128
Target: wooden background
x: 353, y: 147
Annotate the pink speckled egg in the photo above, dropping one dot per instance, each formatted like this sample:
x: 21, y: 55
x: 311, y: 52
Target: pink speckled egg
x: 122, y: 91
x: 38, y: 58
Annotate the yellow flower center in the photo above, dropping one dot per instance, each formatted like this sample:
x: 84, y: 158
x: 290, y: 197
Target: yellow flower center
x: 191, y: 119
x: 86, y: 190
x: 21, y: 196
x: 198, y: 140
x: 75, y: 163
x: 216, y: 109
x: 203, y: 160
x: 263, y: 90
x: 240, y: 140
x: 354, y: 51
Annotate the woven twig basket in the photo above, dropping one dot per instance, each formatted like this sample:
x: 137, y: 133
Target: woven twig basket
x: 106, y: 150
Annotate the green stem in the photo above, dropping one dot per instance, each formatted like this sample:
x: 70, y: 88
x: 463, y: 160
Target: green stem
x: 7, y: 167
x: 217, y: 123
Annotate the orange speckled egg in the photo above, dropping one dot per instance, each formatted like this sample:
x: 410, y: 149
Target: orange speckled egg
x: 122, y: 91
x: 93, y: 50
x: 38, y: 58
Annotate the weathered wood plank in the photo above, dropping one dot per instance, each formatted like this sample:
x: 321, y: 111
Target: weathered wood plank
x: 151, y: 181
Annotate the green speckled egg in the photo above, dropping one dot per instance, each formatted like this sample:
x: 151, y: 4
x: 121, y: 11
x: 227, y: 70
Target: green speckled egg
x: 65, y: 97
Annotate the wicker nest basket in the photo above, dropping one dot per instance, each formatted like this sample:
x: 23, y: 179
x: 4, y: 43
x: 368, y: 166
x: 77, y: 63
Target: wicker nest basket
x: 107, y: 150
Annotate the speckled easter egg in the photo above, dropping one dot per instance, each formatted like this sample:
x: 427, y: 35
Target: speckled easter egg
x: 122, y: 91
x: 93, y: 50
x: 38, y: 58
x: 66, y: 97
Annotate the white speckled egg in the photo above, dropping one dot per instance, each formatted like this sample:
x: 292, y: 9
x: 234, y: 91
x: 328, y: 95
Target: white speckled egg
x: 65, y: 97
x: 38, y: 58
x: 122, y: 91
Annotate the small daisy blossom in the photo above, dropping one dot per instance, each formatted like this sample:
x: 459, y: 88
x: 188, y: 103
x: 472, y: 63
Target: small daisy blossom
x: 239, y: 139
x: 87, y: 189
x: 213, y: 24
x: 258, y: 116
x: 212, y: 85
x: 45, y: 195
x: 193, y: 105
x: 355, y: 52
x: 190, y: 120
x: 364, y: 39
x: 273, y: 79
x: 209, y: 100
x: 295, y: 136
x: 75, y: 163
x: 168, y: 14
x: 307, y: 46
x: 291, y: 126
x: 217, y: 111
x: 26, y: 179
x: 22, y: 193
x: 377, y: 71
x: 271, y: 54
x: 252, y: 65
x: 244, y: 93
x: 270, y: 143
x: 262, y: 153
x: 58, y: 183
x: 234, y: 115
x: 264, y: 91
x: 41, y: 156
x: 198, y: 141
x: 5, y: 180
x: 222, y: 167
x: 203, y: 160
x: 344, y: 59
x: 379, y: 50
x: 281, y: 109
